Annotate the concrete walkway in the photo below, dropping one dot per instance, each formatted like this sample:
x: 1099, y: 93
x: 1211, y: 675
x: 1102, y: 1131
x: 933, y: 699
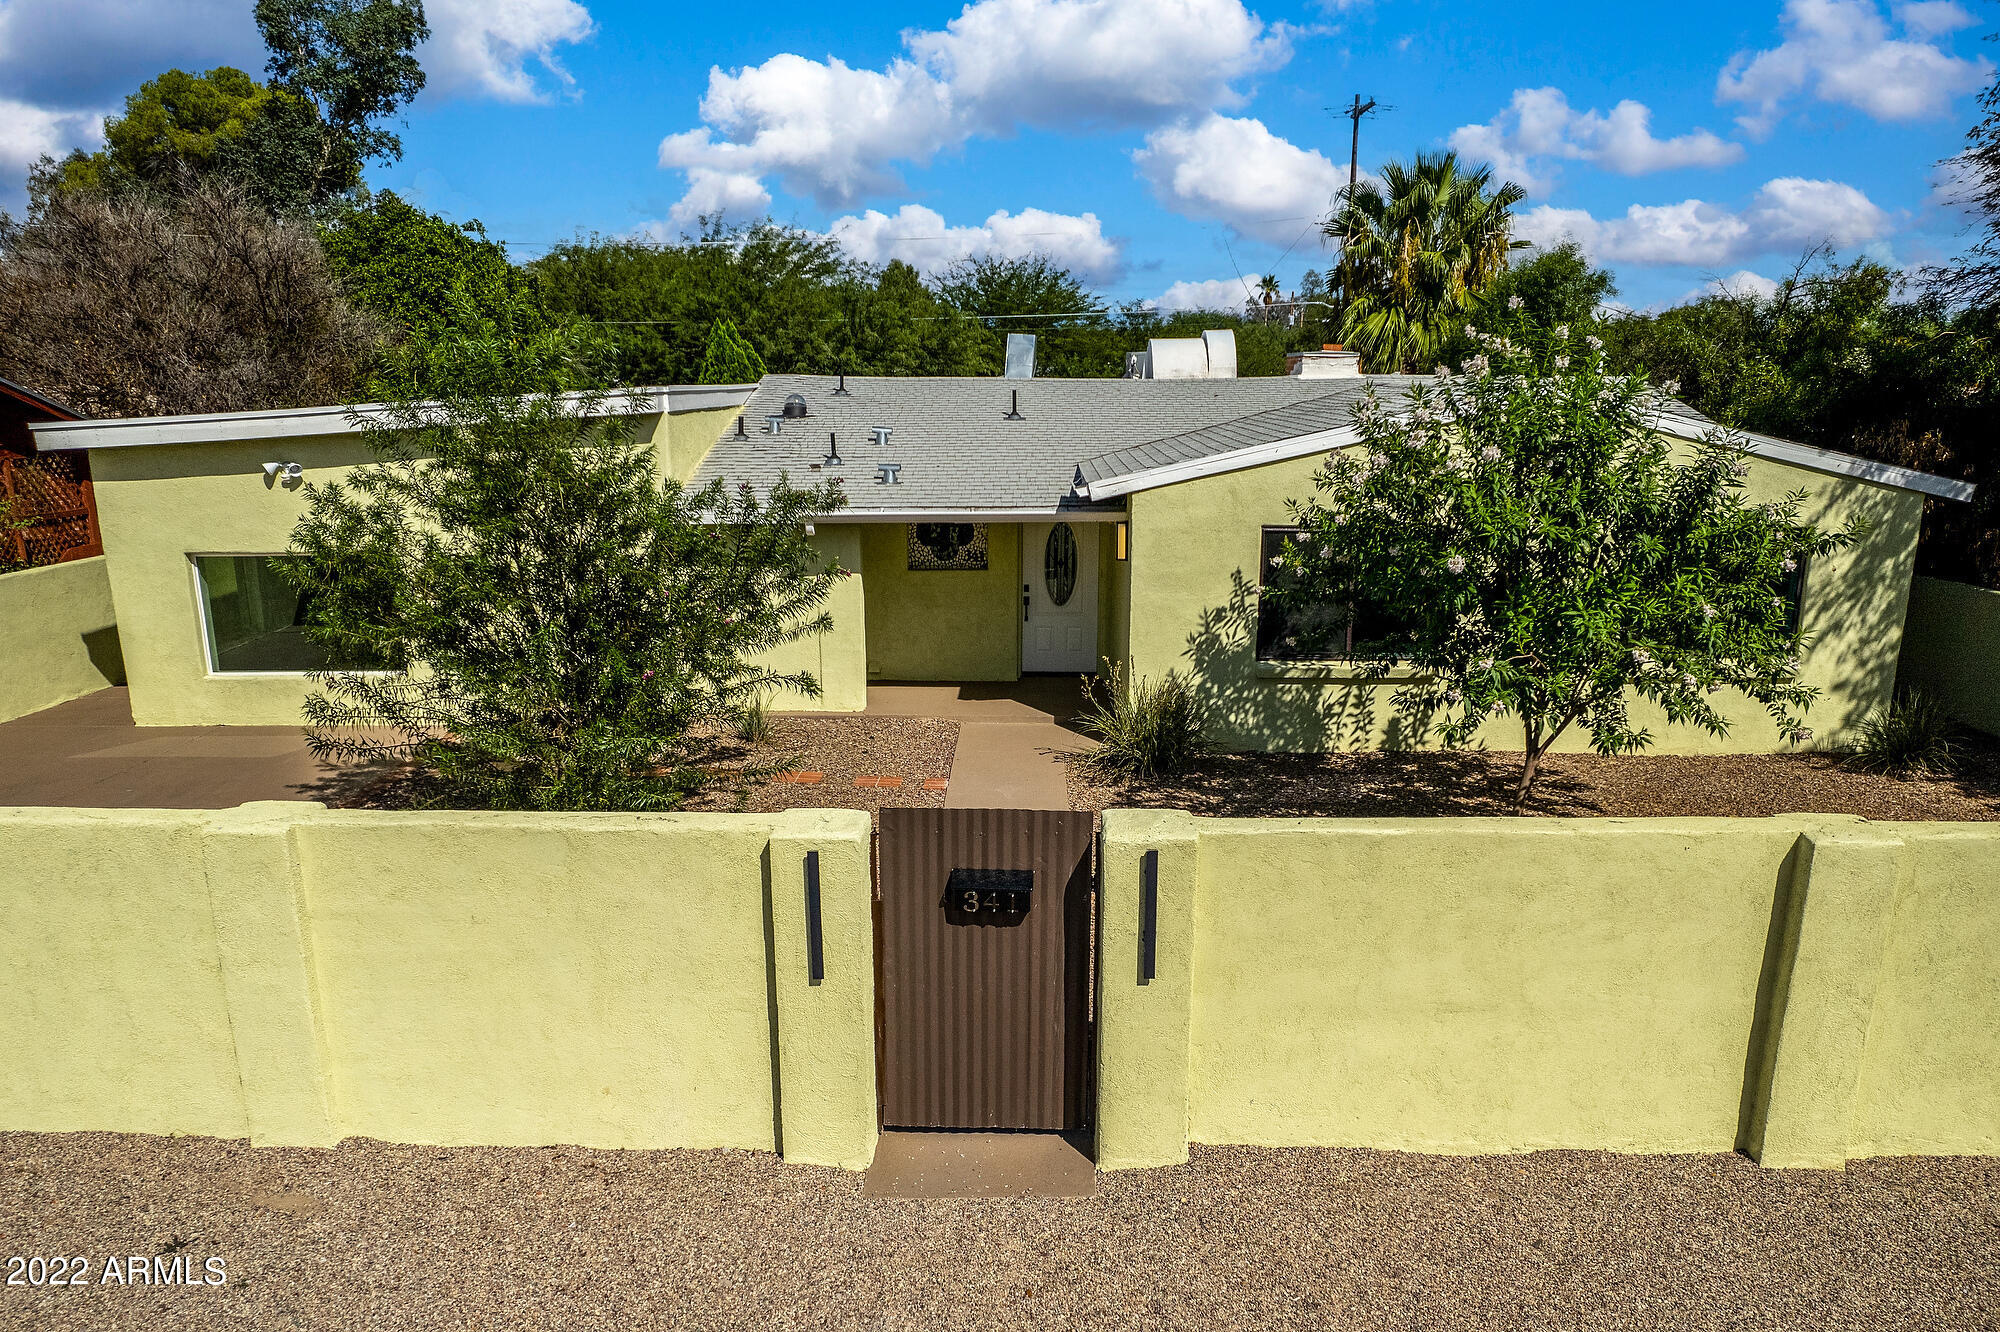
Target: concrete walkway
x: 88, y: 753
x: 1008, y: 736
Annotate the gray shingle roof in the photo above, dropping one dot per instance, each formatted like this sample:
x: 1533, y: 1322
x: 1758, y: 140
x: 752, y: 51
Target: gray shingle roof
x: 1328, y: 409
x: 956, y: 450
x: 958, y: 454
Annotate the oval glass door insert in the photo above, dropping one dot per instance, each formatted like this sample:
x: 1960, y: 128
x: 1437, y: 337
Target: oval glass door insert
x: 1059, y: 564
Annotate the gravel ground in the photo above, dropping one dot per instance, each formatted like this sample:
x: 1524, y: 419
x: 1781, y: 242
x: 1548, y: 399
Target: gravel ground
x: 1379, y: 785
x: 371, y: 1235
x: 843, y: 748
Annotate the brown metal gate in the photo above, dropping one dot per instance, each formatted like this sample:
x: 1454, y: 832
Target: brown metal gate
x: 985, y: 957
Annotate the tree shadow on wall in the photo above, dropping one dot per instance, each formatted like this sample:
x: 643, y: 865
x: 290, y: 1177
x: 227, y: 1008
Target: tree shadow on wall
x: 1248, y: 711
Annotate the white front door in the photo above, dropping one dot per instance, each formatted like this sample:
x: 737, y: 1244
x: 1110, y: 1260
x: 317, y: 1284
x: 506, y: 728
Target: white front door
x: 1059, y: 595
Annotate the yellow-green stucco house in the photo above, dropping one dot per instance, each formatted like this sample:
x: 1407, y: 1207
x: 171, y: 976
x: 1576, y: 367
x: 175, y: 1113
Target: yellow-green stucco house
x: 998, y: 527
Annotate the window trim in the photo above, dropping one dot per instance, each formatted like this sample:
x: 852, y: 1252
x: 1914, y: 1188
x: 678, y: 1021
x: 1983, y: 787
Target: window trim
x: 205, y: 623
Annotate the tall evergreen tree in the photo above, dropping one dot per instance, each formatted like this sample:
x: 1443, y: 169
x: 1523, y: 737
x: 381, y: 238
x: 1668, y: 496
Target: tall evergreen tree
x: 729, y: 359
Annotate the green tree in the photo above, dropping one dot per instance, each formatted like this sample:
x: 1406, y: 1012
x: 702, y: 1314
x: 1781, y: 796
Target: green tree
x: 729, y: 360
x: 415, y: 269
x: 1034, y: 294
x: 181, y: 127
x: 1840, y: 357
x: 567, y: 627
x: 1552, y: 560
x: 353, y: 62
x: 1417, y: 250
x: 1555, y: 286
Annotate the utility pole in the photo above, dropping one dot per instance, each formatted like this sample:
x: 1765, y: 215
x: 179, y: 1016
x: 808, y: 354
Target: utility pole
x: 1354, y: 113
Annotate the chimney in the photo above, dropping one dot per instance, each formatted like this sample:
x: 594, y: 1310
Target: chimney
x: 1020, y: 356
x: 1330, y: 362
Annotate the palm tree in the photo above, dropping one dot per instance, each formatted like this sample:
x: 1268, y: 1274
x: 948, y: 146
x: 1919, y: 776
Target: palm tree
x: 1417, y: 248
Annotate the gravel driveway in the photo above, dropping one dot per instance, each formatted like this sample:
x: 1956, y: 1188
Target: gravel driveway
x: 372, y: 1235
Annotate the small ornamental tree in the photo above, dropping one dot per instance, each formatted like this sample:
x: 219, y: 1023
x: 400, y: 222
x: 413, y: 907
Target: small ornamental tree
x: 562, y: 629
x: 730, y: 358
x: 1549, y: 558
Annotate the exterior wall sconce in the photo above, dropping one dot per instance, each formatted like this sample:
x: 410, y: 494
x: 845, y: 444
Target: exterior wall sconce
x: 1149, y: 916
x: 1123, y: 544
x: 286, y: 474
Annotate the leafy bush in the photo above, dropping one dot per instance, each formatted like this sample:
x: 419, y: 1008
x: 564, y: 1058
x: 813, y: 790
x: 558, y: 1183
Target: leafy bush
x: 1912, y: 737
x: 1146, y: 730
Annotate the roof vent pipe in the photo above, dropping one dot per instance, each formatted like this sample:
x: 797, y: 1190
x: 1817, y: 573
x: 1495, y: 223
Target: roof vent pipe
x: 1020, y: 356
x: 1013, y: 412
x: 841, y: 392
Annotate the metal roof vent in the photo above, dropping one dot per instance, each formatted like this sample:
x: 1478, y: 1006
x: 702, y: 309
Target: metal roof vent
x: 1013, y: 412
x: 842, y: 392
x: 833, y: 458
x: 795, y: 407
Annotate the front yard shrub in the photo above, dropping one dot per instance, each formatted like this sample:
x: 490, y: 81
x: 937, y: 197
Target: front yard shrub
x: 1145, y: 730
x: 753, y: 722
x: 1912, y: 737
x: 574, y: 631
x: 1538, y: 548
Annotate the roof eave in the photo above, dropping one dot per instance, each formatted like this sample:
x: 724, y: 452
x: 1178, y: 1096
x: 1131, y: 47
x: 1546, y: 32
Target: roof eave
x: 306, y: 422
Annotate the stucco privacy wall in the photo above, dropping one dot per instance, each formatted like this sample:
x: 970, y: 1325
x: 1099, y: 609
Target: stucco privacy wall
x: 160, y: 504
x: 1951, y: 649
x: 298, y: 976
x: 942, y: 624
x: 1194, y: 580
x: 1809, y: 989
x: 58, y: 636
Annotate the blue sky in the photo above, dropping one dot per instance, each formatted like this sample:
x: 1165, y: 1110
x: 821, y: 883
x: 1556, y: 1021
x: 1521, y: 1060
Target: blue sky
x: 1163, y: 147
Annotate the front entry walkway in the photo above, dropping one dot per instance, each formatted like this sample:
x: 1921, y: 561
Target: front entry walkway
x: 1009, y: 736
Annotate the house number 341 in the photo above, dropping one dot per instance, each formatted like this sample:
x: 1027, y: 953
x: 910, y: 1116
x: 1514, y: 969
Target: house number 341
x: 973, y: 903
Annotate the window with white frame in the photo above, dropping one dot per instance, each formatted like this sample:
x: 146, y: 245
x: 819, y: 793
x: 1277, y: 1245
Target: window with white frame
x: 254, y: 620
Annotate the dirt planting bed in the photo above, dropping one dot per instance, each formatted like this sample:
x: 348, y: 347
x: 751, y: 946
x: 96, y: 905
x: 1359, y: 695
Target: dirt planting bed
x: 1379, y: 785
x: 372, y: 1235
x: 907, y: 751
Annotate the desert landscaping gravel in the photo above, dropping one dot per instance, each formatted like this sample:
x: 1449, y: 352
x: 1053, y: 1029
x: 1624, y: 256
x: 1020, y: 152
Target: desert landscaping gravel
x: 370, y: 1235
x: 1423, y: 785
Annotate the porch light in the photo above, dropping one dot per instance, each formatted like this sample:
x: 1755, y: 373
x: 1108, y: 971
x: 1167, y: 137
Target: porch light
x: 1123, y: 537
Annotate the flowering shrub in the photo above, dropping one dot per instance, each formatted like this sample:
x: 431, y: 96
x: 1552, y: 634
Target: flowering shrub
x: 1553, y: 559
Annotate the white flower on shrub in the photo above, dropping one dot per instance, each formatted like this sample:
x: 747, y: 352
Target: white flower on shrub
x: 1708, y: 612
x: 1515, y: 302
x: 1491, y: 453
x: 1456, y: 564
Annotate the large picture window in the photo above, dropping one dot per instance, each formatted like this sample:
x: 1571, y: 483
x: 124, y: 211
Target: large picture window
x: 253, y: 618
x: 1294, y: 627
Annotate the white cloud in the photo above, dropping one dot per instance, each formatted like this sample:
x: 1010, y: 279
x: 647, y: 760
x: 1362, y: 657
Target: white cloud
x: 1743, y: 282
x: 825, y: 129
x: 27, y: 132
x: 1056, y: 64
x: 1787, y: 214
x: 1236, y: 171
x: 1214, y: 294
x: 1841, y: 51
x: 723, y: 195
x: 834, y: 132
x: 1933, y: 18
x: 920, y: 237
x: 1540, y: 123
x: 483, y: 47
